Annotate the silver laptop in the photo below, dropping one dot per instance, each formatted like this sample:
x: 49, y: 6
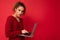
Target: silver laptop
x: 32, y: 33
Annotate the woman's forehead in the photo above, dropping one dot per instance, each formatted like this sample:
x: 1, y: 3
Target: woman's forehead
x: 21, y: 8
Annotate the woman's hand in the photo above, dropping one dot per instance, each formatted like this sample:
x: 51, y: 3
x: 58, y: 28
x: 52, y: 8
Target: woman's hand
x: 24, y: 31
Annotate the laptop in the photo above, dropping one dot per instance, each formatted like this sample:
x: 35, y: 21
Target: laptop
x: 30, y: 34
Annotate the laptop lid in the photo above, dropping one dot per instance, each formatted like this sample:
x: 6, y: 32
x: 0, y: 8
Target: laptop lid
x: 32, y: 33
x: 34, y: 29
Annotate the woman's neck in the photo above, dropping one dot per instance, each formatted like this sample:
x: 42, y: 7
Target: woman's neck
x: 17, y: 18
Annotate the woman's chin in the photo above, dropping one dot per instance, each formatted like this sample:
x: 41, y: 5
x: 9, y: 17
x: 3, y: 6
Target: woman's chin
x: 18, y: 16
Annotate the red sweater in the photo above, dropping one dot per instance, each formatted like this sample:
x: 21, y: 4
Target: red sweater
x: 13, y: 28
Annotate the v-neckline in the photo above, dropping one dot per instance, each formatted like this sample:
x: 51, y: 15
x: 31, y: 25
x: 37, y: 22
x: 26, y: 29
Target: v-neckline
x: 16, y: 19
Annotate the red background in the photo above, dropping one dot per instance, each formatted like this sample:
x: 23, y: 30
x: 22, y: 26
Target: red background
x: 45, y: 12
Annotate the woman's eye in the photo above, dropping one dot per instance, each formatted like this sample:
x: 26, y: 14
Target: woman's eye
x: 22, y: 11
x: 19, y: 10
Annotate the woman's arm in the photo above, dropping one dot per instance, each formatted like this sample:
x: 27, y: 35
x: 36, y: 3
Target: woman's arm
x: 22, y: 24
x: 8, y: 28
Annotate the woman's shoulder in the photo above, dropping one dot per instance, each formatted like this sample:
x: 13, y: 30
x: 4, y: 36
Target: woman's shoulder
x: 10, y: 17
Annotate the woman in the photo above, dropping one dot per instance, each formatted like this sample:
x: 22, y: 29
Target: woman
x: 14, y: 24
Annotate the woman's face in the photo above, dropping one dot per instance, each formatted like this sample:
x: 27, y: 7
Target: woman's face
x: 19, y: 11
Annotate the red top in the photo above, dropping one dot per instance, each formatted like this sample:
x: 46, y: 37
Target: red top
x: 13, y: 28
